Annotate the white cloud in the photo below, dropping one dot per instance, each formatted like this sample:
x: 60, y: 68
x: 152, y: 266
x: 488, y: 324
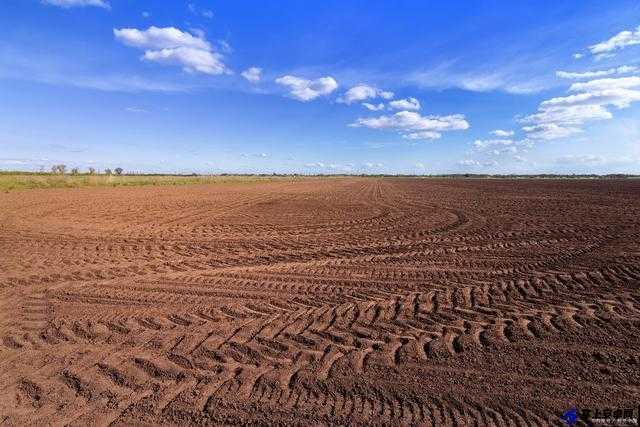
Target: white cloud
x: 191, y: 59
x: 205, y: 12
x: 363, y: 92
x: 509, y: 79
x: 373, y: 107
x: 482, y: 144
x: 604, y: 84
x: 502, y: 133
x: 135, y: 110
x: 171, y: 46
x: 571, y: 114
x: 159, y: 38
x: 414, y: 126
x: 620, y: 98
x: 252, y: 74
x: 78, y: 3
x: 580, y: 159
x: 619, y: 41
x: 604, y: 56
x: 422, y: 135
x: 307, y: 90
x: 331, y: 167
x: 469, y: 162
x: 504, y: 150
x: 624, y: 69
x: 386, y: 94
x: 562, y: 116
x: 550, y: 131
x: 578, y: 55
x: 225, y: 46
x: 405, y: 104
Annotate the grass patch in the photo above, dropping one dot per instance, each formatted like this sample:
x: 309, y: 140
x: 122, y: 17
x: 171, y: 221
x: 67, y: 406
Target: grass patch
x: 24, y: 181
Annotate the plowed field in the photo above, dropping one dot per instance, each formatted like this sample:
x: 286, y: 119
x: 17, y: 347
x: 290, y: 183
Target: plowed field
x: 337, y: 301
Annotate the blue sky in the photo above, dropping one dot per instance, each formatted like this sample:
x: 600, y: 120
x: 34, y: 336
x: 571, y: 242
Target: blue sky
x: 329, y: 87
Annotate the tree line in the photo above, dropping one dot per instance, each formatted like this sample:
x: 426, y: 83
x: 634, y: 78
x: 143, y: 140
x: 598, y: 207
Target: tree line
x: 62, y: 169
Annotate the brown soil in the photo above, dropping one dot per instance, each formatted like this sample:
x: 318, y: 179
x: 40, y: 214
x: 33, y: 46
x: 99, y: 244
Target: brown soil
x: 366, y: 301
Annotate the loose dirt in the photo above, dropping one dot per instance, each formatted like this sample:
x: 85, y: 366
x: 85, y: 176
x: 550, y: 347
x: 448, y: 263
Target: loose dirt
x: 338, y: 301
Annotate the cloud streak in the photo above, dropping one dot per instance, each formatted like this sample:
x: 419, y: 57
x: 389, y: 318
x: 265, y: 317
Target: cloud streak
x: 624, y: 69
x: 618, y: 42
x: 78, y: 3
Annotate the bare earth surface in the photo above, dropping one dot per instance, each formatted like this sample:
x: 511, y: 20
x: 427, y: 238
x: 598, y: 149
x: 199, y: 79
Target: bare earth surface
x: 368, y: 301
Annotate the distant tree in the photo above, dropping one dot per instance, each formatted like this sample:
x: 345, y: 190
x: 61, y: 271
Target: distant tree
x: 92, y: 171
x: 107, y: 171
x: 75, y: 171
x: 61, y: 169
x: 118, y: 171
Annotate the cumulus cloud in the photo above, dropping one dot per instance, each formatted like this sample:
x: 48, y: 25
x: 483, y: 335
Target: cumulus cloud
x: 172, y: 46
x: 502, y: 133
x: 619, y: 41
x: 159, y: 38
x: 414, y: 126
x: 624, y: 69
x: 373, y: 107
x: 562, y: 116
x: 363, y: 92
x: 307, y: 90
x: 78, y: 3
x: 252, y: 74
x: 405, y: 104
x: 190, y: 59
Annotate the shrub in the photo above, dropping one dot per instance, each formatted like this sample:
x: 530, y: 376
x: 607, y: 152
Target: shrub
x: 61, y: 169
